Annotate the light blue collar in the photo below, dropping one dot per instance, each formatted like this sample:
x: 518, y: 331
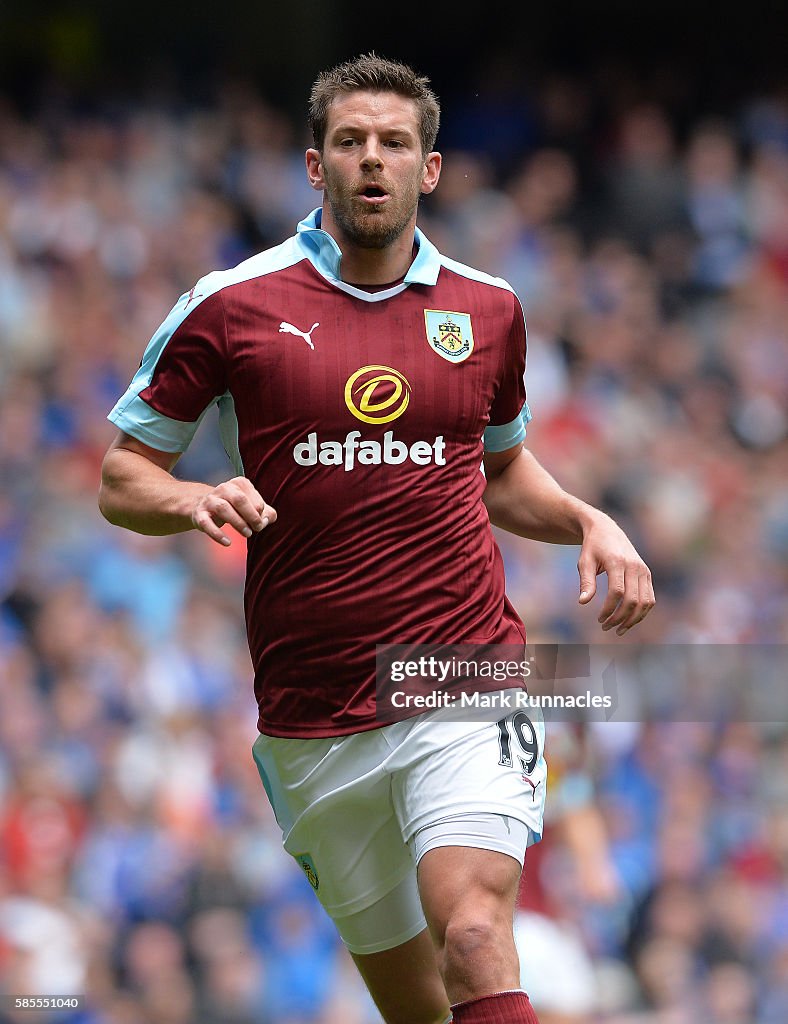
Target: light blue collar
x: 322, y: 251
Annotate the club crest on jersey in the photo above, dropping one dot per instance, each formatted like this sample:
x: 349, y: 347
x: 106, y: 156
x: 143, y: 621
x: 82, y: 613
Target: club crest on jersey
x: 449, y: 334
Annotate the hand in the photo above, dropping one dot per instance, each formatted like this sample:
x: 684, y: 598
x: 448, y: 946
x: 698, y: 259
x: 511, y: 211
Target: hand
x: 630, y: 592
x: 598, y: 880
x: 236, y: 503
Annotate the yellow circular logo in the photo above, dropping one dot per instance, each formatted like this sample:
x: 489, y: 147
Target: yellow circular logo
x: 377, y: 394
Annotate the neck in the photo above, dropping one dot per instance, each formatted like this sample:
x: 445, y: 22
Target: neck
x: 372, y: 266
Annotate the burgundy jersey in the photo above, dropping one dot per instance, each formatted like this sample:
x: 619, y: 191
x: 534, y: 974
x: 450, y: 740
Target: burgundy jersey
x: 362, y: 417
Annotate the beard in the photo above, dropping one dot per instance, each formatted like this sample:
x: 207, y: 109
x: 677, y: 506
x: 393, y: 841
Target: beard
x: 370, y: 227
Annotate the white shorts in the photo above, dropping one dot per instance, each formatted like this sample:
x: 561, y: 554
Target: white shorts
x: 357, y: 812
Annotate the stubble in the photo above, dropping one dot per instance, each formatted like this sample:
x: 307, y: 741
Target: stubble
x: 371, y: 227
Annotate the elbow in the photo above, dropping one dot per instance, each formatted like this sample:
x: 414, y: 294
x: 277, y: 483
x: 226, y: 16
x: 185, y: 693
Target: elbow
x: 106, y: 506
x: 108, y: 502
x: 493, y: 501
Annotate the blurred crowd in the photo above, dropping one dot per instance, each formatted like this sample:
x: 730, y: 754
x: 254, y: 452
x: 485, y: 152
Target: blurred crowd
x: 139, y: 861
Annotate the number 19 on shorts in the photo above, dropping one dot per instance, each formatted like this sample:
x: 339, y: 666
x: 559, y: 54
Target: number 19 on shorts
x: 520, y: 727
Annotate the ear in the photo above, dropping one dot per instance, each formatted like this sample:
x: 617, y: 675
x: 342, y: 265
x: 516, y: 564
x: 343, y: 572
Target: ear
x: 432, y: 172
x: 314, y: 169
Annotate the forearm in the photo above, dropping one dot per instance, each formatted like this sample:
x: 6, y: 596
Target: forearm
x: 146, y: 498
x: 526, y: 500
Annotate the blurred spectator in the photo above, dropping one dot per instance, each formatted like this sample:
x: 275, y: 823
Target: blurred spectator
x: 138, y: 858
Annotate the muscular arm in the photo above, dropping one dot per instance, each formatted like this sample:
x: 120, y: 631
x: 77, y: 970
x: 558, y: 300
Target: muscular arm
x: 523, y: 498
x: 139, y: 493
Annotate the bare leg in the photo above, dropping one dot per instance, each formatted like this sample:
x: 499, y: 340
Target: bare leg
x: 468, y: 897
x: 405, y: 982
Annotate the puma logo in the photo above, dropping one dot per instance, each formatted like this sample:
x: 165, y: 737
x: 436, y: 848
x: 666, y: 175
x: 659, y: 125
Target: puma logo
x: 525, y: 778
x: 285, y: 328
x: 192, y: 297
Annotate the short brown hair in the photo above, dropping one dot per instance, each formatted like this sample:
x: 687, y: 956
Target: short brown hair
x: 371, y: 73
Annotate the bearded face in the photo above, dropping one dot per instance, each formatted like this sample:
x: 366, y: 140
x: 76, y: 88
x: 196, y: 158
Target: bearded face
x: 371, y: 210
x: 372, y: 169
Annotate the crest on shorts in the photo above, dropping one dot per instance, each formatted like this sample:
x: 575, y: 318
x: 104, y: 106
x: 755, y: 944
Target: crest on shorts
x: 309, y: 869
x: 449, y: 334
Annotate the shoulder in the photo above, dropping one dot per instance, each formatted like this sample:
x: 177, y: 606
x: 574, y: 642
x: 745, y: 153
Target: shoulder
x: 494, y: 293
x: 202, y: 309
x: 472, y: 274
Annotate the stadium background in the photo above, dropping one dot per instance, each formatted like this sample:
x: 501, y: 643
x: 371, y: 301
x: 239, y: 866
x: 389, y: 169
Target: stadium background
x: 627, y: 170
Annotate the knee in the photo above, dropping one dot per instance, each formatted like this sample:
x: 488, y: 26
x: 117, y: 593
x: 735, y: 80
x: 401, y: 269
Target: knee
x: 478, y: 955
x: 470, y: 937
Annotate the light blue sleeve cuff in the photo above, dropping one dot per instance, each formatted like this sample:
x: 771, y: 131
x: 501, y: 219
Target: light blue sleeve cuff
x: 137, y: 418
x: 506, y: 435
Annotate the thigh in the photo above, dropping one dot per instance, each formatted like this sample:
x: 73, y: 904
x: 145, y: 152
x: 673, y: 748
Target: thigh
x: 405, y: 982
x: 500, y: 833
x: 456, y: 882
x: 468, y: 897
x: 391, y: 921
x: 332, y: 800
x: 456, y: 767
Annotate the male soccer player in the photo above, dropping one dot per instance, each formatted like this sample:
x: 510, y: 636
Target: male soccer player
x: 361, y: 377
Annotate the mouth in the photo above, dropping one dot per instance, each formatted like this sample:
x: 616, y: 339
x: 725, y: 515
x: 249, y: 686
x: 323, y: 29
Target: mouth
x: 373, y: 195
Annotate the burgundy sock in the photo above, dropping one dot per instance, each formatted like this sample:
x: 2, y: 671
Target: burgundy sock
x: 501, y: 1008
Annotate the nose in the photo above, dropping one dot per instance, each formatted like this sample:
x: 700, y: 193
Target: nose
x: 372, y: 156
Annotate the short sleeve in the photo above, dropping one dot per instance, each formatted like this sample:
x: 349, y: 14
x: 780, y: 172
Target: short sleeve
x: 506, y: 435
x: 509, y: 411
x: 182, y: 373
